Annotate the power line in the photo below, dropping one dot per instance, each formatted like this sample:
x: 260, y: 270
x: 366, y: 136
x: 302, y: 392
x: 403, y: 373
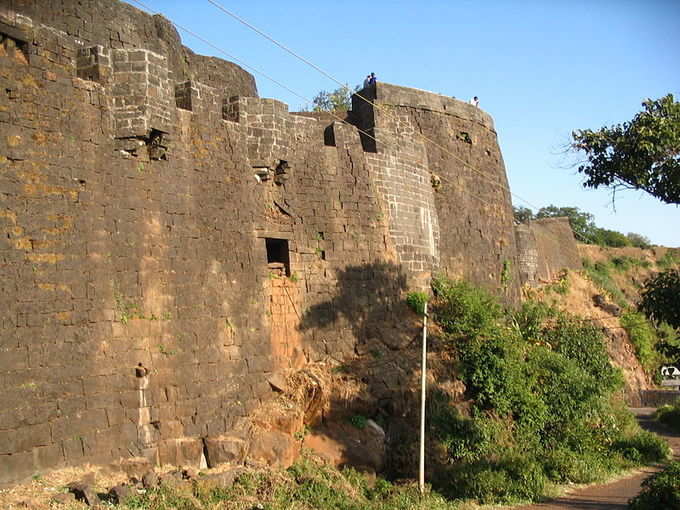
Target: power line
x: 244, y: 64
x: 376, y: 105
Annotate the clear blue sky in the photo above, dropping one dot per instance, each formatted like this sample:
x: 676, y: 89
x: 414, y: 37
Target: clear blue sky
x: 540, y: 68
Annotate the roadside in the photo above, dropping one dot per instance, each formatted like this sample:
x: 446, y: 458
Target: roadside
x: 613, y: 496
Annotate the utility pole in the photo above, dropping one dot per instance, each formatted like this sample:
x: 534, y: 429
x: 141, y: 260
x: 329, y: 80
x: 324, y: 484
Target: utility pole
x: 423, y: 383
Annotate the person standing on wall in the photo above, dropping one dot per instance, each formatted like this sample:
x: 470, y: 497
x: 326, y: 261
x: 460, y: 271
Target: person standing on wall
x: 475, y: 101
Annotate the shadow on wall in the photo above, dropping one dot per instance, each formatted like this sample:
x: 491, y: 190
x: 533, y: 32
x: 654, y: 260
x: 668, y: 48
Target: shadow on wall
x: 370, y: 410
x: 367, y: 296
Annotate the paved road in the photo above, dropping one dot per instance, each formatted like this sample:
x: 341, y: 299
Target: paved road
x: 612, y: 496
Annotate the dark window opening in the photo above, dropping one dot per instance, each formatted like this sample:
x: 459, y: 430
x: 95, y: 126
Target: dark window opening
x: 278, y: 256
x: 282, y: 167
x: 13, y: 44
x: 183, y: 96
x: 157, y: 146
x: 322, y: 254
x: 329, y: 136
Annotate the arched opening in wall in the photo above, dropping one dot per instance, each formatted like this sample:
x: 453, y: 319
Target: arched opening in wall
x: 329, y: 136
x: 278, y: 256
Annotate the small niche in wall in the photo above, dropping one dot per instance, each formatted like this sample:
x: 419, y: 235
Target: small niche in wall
x: 13, y: 44
x: 278, y: 256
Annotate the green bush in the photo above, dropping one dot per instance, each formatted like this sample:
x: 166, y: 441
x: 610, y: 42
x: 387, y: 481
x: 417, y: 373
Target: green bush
x: 605, y: 237
x: 638, y: 240
x: 541, y: 388
x: 512, y: 479
x: 643, y: 337
x: 661, y: 490
x: 463, y: 310
x: 670, y: 259
x: 416, y: 301
x: 669, y: 415
x: 644, y: 447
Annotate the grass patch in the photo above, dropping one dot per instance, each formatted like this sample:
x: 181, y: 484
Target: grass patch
x: 307, y: 485
x: 600, y: 274
x: 644, y: 338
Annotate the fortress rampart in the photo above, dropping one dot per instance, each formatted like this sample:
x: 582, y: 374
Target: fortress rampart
x: 169, y: 240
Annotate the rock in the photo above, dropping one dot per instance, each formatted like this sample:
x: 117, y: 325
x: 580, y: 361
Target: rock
x: 289, y: 422
x: 396, y: 338
x: 278, y: 382
x: 225, y: 450
x: 185, y: 451
x: 189, y: 473
x: 150, y: 480
x: 224, y: 479
x: 274, y: 448
x: 84, y: 492
x: 373, y: 427
x: 171, y: 479
x: 601, y: 302
x: 342, y: 444
x: 135, y: 467
x: 120, y: 493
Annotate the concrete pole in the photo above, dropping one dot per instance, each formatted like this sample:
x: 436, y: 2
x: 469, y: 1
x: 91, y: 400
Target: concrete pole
x: 423, y: 383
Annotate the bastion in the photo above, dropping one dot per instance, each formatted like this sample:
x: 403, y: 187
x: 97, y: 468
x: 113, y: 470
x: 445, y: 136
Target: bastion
x: 169, y: 240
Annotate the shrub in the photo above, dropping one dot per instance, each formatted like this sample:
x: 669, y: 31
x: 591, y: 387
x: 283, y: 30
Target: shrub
x: 638, y: 240
x: 643, y: 337
x: 541, y: 389
x: 528, y: 321
x: 463, y: 310
x: 605, y: 237
x: 670, y: 259
x: 669, y: 415
x: 661, y: 490
x: 512, y: 479
x: 644, y: 447
x: 463, y: 439
x: 416, y: 301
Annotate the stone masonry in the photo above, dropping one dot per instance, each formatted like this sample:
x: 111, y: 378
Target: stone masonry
x: 546, y: 247
x: 168, y: 240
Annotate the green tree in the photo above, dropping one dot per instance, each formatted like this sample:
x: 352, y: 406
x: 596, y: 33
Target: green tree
x: 522, y: 214
x: 339, y: 100
x: 661, y: 297
x: 606, y: 237
x: 582, y: 223
x: 638, y: 240
x: 641, y: 154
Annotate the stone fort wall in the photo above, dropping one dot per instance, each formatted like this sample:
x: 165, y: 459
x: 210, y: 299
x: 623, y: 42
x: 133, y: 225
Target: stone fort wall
x: 546, y: 247
x: 169, y: 241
